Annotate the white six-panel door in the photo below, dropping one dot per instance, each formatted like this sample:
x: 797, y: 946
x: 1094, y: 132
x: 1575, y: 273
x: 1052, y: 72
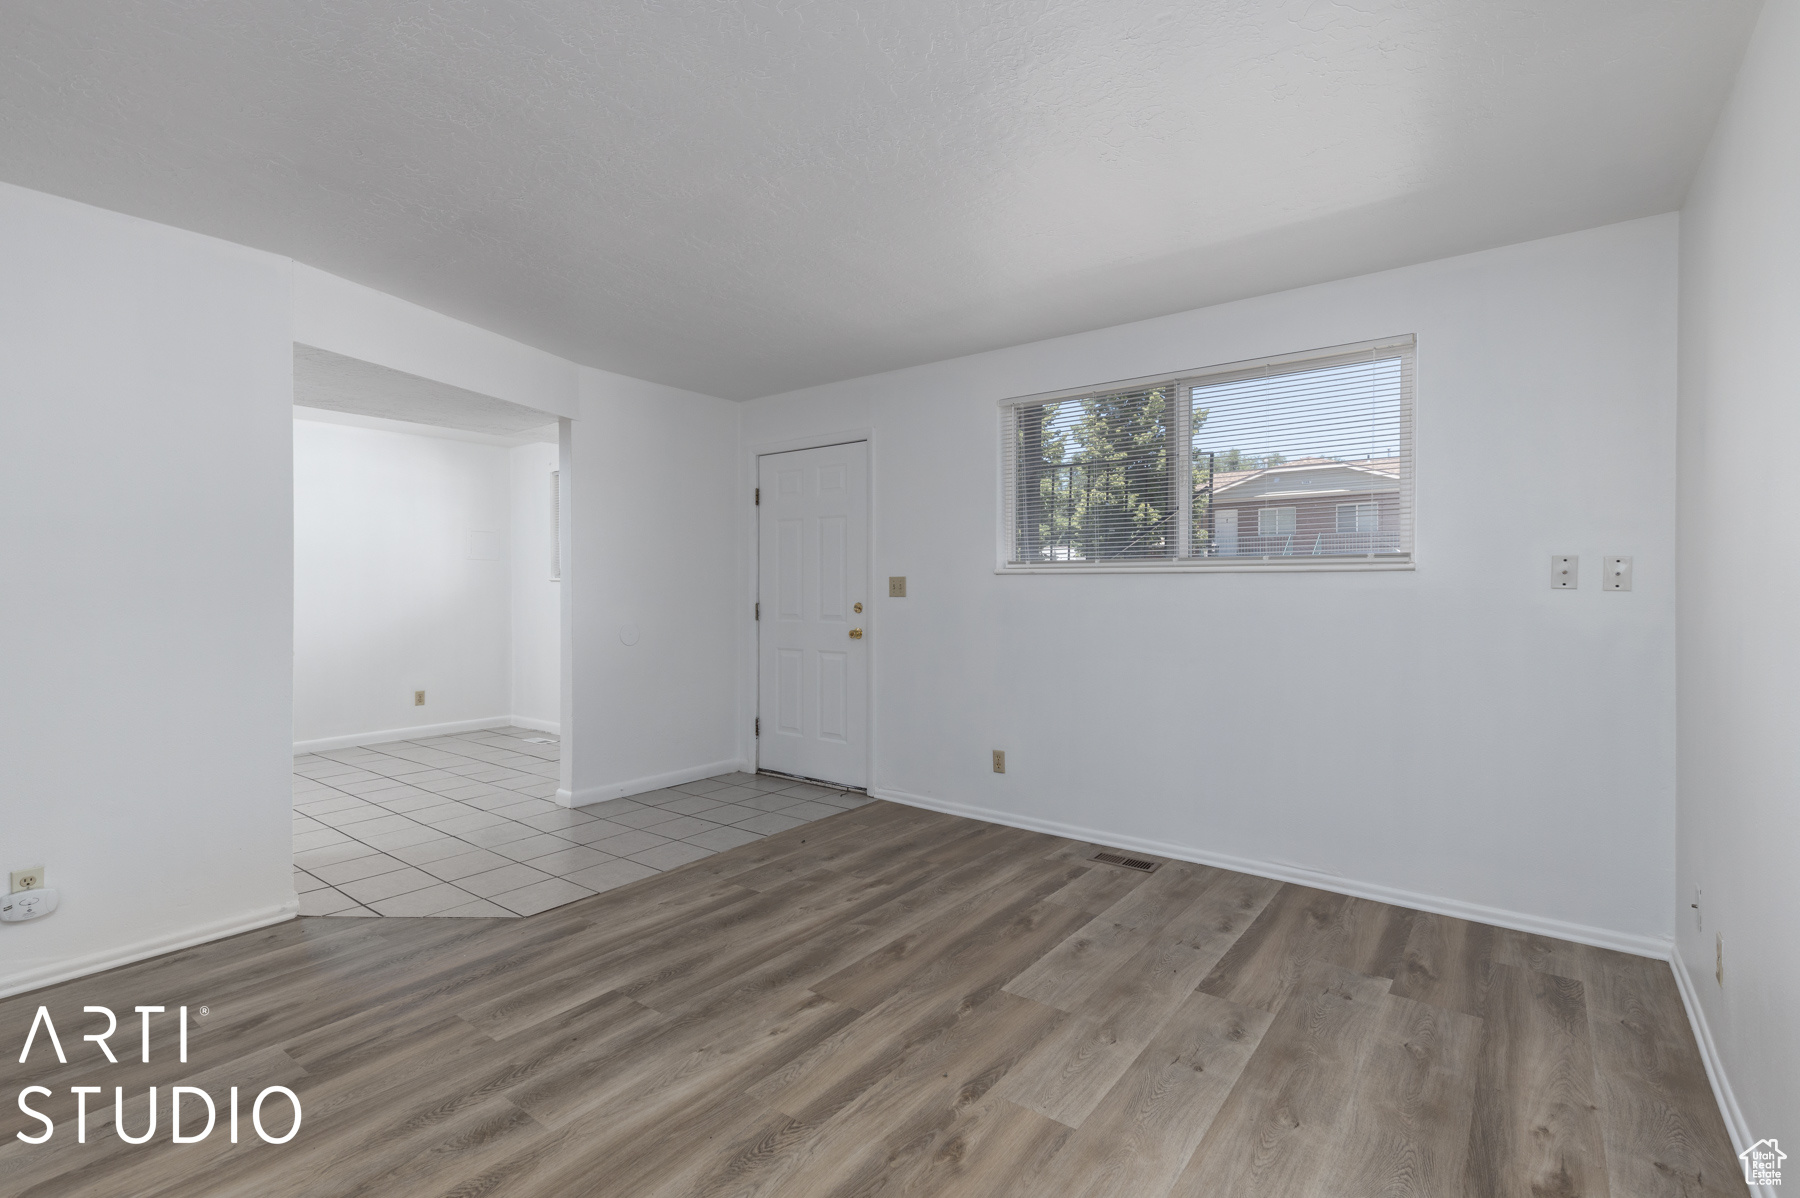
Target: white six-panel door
x: 812, y: 642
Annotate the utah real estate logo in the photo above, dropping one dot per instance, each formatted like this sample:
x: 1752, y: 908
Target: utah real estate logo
x: 1762, y: 1163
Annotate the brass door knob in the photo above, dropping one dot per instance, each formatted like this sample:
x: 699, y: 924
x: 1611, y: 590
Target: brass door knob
x: 856, y: 634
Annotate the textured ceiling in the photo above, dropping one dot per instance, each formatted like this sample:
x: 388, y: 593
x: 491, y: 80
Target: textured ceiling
x: 741, y: 198
x: 336, y: 383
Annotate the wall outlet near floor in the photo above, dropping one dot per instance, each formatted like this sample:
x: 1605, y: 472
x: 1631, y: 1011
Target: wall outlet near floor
x: 1719, y: 958
x: 1565, y: 571
x: 29, y: 878
x: 999, y: 761
x: 418, y: 698
x: 1699, y: 924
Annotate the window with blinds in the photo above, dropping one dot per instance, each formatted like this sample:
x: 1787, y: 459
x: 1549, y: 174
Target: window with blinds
x: 1304, y: 459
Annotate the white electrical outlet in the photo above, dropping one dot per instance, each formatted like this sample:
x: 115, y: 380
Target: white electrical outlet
x: 1565, y: 571
x: 29, y: 878
x: 1616, y: 576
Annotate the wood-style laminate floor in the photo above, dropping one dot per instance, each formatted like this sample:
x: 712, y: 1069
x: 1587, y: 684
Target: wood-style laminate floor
x: 894, y: 1002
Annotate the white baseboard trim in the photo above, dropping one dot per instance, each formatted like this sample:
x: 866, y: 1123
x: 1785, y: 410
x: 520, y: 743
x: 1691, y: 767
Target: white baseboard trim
x: 637, y: 786
x: 1735, y: 1123
x: 536, y: 725
x: 1643, y: 946
x: 112, y: 958
x: 418, y: 732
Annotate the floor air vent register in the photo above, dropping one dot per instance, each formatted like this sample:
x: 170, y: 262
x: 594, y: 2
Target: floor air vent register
x: 1126, y: 862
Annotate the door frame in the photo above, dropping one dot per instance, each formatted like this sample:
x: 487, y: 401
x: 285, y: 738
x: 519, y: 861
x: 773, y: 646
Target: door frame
x: 750, y: 567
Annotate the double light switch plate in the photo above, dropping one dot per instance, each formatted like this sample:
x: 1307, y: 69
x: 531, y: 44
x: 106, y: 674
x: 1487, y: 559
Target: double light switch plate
x: 1565, y: 572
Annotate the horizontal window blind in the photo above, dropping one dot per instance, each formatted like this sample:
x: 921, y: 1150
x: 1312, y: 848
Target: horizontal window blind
x: 1099, y: 478
x: 1307, y: 456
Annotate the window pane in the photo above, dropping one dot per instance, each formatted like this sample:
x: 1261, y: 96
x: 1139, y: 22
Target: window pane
x: 1275, y: 521
x: 1094, y: 479
x: 1301, y: 443
x: 1358, y: 517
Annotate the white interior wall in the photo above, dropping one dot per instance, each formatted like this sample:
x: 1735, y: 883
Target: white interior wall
x: 1459, y: 737
x: 536, y: 597
x: 654, y: 484
x: 145, y: 476
x: 401, y: 583
x: 1739, y: 822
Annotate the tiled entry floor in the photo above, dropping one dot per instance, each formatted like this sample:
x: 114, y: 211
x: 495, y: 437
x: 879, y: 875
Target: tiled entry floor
x: 466, y: 825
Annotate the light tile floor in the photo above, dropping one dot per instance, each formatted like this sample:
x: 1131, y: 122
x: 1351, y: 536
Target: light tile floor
x: 466, y: 825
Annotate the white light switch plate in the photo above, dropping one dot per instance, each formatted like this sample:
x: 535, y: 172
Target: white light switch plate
x: 1565, y: 571
x: 1616, y: 575
x: 27, y: 904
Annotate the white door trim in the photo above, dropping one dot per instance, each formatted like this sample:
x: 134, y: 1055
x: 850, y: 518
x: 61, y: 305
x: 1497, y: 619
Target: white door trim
x: 747, y: 644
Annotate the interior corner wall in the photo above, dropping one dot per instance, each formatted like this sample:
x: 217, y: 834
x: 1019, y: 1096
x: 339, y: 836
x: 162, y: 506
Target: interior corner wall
x: 1738, y: 816
x: 144, y: 721
x: 402, y: 583
x: 652, y: 573
x: 1460, y: 737
x: 536, y: 684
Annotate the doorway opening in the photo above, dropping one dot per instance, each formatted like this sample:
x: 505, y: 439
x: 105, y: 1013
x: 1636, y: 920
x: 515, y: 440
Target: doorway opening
x: 429, y: 550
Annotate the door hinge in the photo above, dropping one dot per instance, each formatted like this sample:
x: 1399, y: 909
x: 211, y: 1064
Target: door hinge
x: 759, y: 610
x: 759, y: 497
x: 759, y: 725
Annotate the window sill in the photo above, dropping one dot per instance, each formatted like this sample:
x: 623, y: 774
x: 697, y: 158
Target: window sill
x: 1272, y: 565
